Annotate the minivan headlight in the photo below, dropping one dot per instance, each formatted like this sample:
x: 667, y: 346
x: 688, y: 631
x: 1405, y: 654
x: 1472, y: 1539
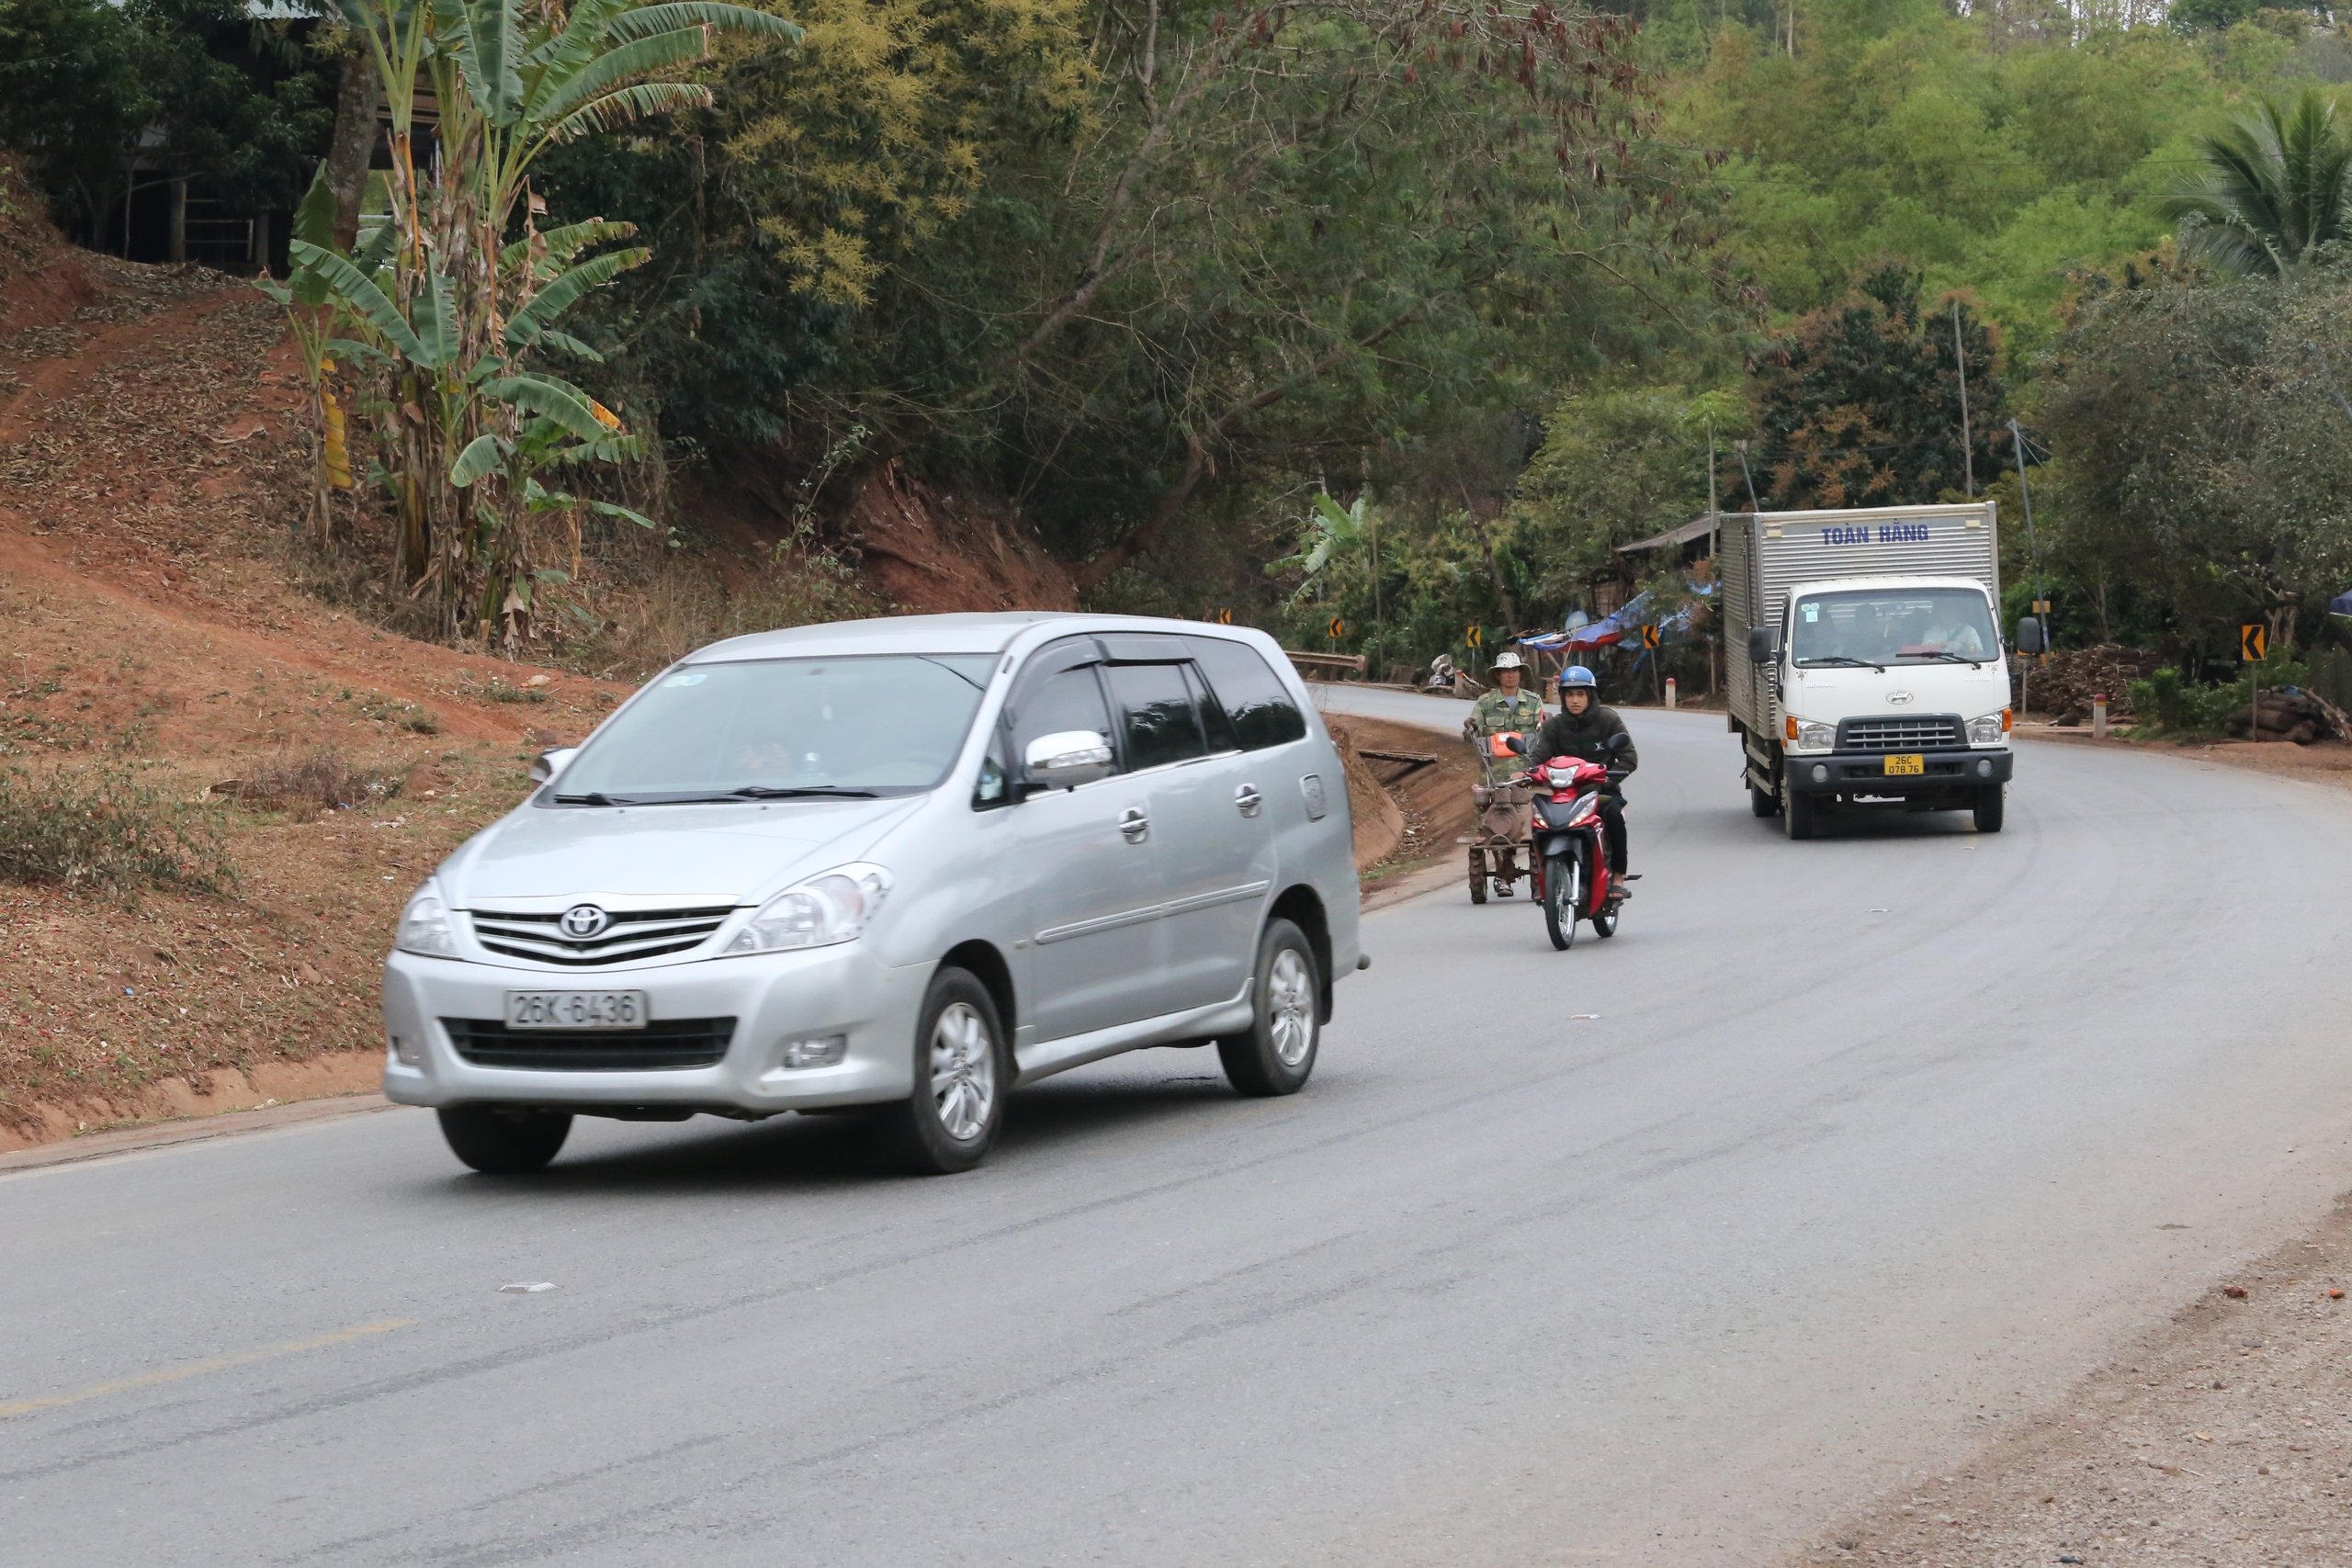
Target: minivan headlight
x: 1988, y: 731
x: 424, y: 925
x: 831, y: 907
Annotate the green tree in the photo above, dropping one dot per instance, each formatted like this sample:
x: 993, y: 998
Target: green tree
x: 1862, y: 404
x: 2272, y: 190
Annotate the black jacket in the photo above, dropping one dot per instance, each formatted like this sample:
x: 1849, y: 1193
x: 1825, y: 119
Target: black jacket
x: 1566, y: 734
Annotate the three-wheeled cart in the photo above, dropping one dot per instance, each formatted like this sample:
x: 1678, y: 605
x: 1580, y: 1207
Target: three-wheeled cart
x: 1500, y: 842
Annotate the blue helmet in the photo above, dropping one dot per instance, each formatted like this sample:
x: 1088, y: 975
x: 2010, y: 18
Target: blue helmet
x: 1577, y: 676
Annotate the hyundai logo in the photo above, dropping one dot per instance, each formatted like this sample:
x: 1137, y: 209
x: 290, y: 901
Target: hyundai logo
x: 584, y: 920
x: 1891, y: 696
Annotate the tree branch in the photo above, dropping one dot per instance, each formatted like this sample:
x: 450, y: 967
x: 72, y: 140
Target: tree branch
x: 1093, y: 573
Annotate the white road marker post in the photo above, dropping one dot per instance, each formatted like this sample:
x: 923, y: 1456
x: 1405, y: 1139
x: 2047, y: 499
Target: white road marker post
x: 2099, y: 715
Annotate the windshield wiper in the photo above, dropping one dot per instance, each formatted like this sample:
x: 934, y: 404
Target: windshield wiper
x: 1842, y: 658
x: 766, y: 792
x: 1973, y: 661
x: 593, y: 797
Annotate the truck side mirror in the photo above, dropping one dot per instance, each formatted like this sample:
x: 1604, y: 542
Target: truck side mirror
x: 1760, y: 645
x: 2030, y: 638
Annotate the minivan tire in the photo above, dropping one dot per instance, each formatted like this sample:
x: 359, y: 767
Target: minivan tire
x: 1285, y: 1017
x: 963, y: 1073
x: 501, y: 1140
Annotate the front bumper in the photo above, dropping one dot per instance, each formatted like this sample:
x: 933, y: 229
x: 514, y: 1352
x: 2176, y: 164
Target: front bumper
x: 1864, y: 772
x: 773, y: 998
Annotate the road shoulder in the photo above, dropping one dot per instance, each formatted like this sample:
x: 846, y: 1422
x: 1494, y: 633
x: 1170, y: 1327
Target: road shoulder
x: 2222, y: 1438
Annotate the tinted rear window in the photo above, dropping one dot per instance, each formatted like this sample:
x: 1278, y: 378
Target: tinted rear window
x: 1252, y: 696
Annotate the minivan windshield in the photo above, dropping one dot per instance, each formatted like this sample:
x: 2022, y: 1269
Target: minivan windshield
x: 1902, y: 626
x: 784, y: 728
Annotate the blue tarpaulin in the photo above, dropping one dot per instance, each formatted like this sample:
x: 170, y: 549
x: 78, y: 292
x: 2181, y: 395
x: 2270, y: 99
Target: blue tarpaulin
x: 2340, y: 606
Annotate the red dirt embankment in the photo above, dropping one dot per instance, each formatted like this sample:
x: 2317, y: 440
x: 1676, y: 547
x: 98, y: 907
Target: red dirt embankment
x: 150, y: 466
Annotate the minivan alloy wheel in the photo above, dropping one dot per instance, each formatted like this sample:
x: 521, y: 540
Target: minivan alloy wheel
x: 962, y: 1070
x: 1289, y: 987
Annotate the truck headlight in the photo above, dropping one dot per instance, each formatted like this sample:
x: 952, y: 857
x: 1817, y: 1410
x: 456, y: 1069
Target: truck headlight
x: 424, y: 926
x: 1804, y: 735
x: 832, y: 906
x: 1990, y: 730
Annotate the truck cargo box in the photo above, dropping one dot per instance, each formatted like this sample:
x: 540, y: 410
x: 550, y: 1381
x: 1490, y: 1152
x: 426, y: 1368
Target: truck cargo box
x: 1763, y: 554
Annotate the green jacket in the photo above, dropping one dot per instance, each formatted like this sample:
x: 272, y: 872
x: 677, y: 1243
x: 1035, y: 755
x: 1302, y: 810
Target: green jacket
x: 1566, y: 734
x: 1495, y: 714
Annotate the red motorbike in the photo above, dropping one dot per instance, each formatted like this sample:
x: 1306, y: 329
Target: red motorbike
x: 1572, y: 876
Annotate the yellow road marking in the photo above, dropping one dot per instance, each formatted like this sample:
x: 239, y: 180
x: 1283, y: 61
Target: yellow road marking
x: 217, y: 1364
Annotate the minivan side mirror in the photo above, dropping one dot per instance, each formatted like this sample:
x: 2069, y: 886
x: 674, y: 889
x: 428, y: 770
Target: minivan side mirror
x: 546, y: 765
x: 1760, y: 645
x: 1066, y: 758
x: 2031, y: 637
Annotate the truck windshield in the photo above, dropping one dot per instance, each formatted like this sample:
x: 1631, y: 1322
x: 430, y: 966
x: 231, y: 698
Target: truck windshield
x: 1893, y: 625
x: 783, y: 729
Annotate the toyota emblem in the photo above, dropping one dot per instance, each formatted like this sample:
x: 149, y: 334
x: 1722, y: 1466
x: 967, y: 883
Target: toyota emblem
x: 584, y: 920
x: 1891, y: 696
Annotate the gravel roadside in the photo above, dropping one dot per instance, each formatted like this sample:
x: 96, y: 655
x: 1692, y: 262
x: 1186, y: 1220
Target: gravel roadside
x: 2223, y: 1440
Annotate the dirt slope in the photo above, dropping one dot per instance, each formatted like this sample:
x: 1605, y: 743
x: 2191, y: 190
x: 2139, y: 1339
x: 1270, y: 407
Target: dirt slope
x: 149, y: 464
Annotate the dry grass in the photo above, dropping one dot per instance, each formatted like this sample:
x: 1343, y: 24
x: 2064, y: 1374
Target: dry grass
x: 106, y: 828
x: 303, y: 784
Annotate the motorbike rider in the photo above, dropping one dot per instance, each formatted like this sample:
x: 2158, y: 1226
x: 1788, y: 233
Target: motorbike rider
x: 1579, y: 729
x: 1506, y: 710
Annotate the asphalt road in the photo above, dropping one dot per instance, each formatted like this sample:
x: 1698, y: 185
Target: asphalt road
x: 1875, y: 1144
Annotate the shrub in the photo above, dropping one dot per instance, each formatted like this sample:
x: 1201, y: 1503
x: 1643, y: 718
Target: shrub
x: 308, y: 782
x: 107, y: 830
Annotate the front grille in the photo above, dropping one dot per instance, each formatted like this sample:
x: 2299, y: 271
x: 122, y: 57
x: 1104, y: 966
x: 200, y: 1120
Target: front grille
x: 665, y: 1043
x: 634, y: 934
x: 1926, y: 732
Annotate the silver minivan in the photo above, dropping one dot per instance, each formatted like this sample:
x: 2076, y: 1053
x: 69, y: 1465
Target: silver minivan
x: 908, y: 864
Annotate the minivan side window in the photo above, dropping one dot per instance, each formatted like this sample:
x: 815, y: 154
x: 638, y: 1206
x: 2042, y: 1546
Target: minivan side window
x: 1162, y: 728
x: 1252, y: 696
x: 1066, y: 699
x: 1213, y: 722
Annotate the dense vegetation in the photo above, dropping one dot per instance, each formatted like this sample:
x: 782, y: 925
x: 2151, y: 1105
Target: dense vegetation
x: 1518, y: 283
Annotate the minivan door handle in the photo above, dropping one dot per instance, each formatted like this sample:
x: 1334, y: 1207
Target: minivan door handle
x: 1250, y: 801
x: 1135, y: 824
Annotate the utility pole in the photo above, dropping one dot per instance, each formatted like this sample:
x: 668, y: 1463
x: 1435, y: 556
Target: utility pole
x: 2033, y: 552
x: 1754, y: 504
x: 1967, y: 445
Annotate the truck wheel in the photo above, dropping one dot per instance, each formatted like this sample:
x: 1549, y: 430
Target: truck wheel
x: 1797, y: 814
x: 961, y: 1079
x: 499, y: 1140
x: 1992, y: 801
x: 1760, y: 803
x: 1286, y: 1024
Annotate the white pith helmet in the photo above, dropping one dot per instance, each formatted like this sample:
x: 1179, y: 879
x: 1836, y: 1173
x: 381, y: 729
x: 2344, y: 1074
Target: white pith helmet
x: 1507, y: 661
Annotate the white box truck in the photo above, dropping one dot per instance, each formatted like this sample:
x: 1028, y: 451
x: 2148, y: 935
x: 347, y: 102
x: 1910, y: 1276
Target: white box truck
x: 1874, y: 674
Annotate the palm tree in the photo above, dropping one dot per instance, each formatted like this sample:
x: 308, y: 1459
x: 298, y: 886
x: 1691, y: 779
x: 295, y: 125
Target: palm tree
x: 2272, y: 189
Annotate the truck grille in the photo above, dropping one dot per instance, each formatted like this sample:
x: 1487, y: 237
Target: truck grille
x: 634, y: 934
x: 666, y: 1042
x: 1928, y: 732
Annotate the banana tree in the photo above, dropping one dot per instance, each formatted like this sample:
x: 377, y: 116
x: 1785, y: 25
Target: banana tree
x: 1331, y: 529
x: 465, y: 300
